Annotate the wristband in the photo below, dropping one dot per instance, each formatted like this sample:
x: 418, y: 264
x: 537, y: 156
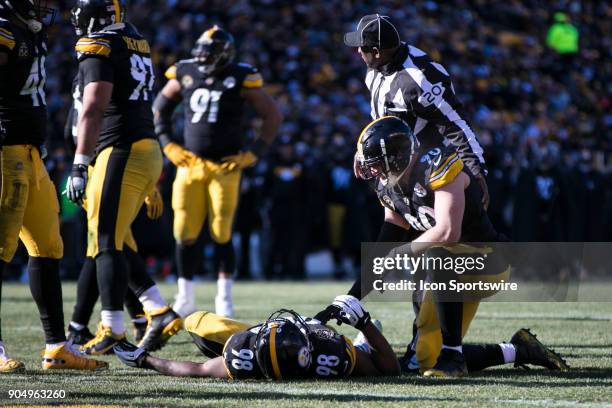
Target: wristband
x: 82, y: 159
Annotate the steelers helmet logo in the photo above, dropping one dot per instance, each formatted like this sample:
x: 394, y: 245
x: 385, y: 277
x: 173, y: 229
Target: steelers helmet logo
x: 304, y: 357
x: 229, y: 82
x: 187, y: 81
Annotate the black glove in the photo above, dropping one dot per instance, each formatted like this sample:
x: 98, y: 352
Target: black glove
x: 130, y: 355
x: 329, y: 313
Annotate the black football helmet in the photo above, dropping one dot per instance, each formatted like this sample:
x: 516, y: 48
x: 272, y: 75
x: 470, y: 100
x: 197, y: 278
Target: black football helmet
x: 283, y: 349
x: 386, y: 147
x: 214, y: 50
x: 33, y: 13
x: 89, y: 16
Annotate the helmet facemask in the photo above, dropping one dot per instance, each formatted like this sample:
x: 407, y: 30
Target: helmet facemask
x: 389, y: 167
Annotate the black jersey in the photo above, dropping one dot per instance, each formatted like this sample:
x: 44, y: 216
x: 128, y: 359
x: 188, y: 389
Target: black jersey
x: 413, y: 195
x: 120, y: 55
x: 23, y: 110
x: 214, y: 107
x: 333, y: 355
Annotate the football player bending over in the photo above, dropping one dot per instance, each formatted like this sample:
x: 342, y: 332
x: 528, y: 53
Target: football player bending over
x: 427, y: 190
x: 285, y: 346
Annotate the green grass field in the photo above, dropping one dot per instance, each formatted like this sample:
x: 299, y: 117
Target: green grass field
x: 581, y: 332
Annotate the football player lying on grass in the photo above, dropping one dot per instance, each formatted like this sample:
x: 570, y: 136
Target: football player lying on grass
x: 285, y: 346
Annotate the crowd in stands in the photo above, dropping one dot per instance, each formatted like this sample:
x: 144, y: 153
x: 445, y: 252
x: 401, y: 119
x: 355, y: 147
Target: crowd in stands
x: 537, y: 97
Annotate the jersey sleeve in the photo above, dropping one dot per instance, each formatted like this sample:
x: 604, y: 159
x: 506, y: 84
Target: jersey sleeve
x: 93, y: 46
x: 7, y: 38
x: 444, y: 170
x: 252, y: 79
x: 239, y: 357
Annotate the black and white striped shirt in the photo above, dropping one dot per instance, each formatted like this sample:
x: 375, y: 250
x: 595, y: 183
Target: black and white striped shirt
x: 418, y: 90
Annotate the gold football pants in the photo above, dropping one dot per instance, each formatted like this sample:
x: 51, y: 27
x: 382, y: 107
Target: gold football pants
x: 429, y: 335
x: 29, y: 209
x: 203, y: 190
x: 120, y: 180
x: 210, y: 331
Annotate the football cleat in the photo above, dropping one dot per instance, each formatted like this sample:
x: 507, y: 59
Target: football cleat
x: 63, y: 358
x: 408, y: 362
x: 139, y: 330
x: 78, y: 337
x: 224, y: 306
x: 451, y: 363
x: 184, y: 307
x: 11, y: 366
x: 529, y: 350
x: 103, y: 342
x: 163, y: 324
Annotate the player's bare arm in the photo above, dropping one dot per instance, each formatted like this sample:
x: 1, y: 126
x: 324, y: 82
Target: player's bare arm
x: 268, y: 111
x: 96, y: 97
x: 213, y: 368
x: 381, y: 361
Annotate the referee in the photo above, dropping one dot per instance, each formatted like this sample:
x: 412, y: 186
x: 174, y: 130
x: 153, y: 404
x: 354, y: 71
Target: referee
x: 405, y: 82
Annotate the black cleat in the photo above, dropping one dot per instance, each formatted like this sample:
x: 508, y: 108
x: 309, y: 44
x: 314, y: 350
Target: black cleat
x: 163, y: 324
x: 408, y: 361
x: 451, y: 363
x: 78, y: 337
x: 529, y: 350
x: 139, y: 330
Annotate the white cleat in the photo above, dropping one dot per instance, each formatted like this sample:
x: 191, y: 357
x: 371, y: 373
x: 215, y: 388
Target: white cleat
x: 184, y: 307
x: 224, y: 307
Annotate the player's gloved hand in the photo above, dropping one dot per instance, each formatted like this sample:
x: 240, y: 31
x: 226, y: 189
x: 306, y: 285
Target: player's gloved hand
x: 241, y: 160
x: 178, y: 155
x: 351, y: 311
x: 129, y: 354
x: 327, y: 314
x: 77, y: 181
x: 155, y: 204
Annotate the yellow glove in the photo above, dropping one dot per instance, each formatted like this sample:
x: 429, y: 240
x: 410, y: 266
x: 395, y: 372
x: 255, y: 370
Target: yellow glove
x: 178, y: 155
x: 155, y: 204
x: 241, y: 160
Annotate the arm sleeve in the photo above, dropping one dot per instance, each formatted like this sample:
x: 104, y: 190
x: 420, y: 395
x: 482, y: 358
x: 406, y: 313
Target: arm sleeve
x: 163, y: 108
x: 437, y: 103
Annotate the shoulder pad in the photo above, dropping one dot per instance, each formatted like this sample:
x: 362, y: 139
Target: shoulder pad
x: 95, y: 44
x: 444, y: 166
x: 172, y: 72
x: 7, y: 38
x: 253, y: 78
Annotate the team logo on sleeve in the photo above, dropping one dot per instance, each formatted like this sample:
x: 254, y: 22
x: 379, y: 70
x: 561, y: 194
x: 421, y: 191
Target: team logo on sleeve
x: 229, y: 82
x: 388, y: 201
x: 187, y: 81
